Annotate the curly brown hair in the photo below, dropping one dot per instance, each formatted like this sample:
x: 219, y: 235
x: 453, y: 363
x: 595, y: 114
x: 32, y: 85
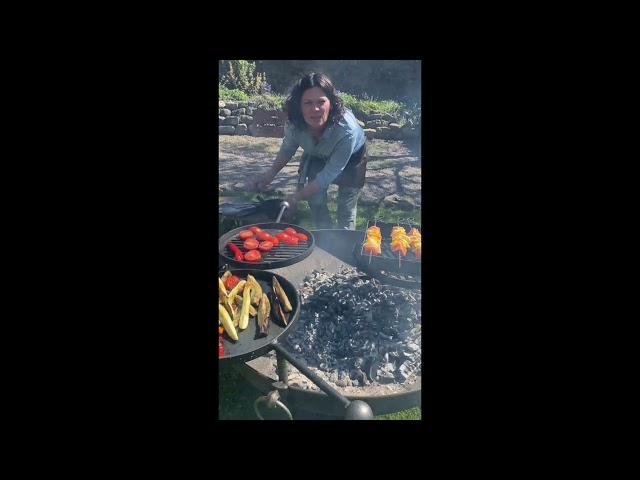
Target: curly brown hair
x: 310, y: 80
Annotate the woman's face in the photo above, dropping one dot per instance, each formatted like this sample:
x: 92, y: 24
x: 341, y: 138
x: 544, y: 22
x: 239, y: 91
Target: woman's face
x: 315, y: 108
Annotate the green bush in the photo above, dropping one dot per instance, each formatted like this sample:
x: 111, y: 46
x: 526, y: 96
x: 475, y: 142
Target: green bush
x: 365, y: 106
x: 225, y: 93
x: 241, y: 75
x: 269, y: 101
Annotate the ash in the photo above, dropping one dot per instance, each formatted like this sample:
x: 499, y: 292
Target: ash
x: 353, y: 331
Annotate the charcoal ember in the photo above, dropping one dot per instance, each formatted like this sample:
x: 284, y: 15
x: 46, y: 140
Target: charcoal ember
x: 405, y: 371
x: 359, y: 378
x: 384, y: 377
x: 348, y: 319
x: 389, y: 367
x: 413, y: 347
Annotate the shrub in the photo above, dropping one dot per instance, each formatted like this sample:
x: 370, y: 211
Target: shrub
x: 269, y: 101
x: 225, y: 93
x: 364, y: 106
x: 241, y: 75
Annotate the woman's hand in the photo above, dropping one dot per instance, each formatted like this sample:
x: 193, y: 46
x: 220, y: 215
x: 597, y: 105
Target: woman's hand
x: 293, y: 206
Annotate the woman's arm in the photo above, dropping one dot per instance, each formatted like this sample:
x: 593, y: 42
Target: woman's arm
x: 281, y: 160
x: 309, y: 190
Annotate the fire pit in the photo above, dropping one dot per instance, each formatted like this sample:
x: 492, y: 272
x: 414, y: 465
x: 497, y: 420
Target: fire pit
x: 357, y: 332
x: 378, y: 357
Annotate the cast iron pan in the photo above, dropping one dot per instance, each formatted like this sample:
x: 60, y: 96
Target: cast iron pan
x: 249, y: 344
x: 281, y: 256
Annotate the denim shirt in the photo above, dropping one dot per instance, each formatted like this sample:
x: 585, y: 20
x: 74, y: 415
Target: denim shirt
x: 337, y: 144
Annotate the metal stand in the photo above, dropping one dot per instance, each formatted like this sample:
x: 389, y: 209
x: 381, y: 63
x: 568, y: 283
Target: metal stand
x: 354, y: 410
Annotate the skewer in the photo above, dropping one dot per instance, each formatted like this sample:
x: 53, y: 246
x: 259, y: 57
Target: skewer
x: 365, y: 239
x: 410, y: 225
x: 398, y: 224
x: 375, y: 220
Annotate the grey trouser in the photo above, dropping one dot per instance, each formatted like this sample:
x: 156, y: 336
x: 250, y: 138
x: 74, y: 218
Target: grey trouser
x: 347, y: 208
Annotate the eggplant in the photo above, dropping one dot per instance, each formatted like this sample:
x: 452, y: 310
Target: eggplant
x: 263, y: 316
x: 282, y: 296
x: 276, y: 310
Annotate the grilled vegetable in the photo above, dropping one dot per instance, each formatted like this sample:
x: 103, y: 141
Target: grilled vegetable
x: 263, y: 316
x: 227, y: 323
x: 243, y: 321
x: 250, y: 244
x: 252, y: 311
x: 230, y: 307
x: 237, y: 289
x: 236, y: 315
x: 372, y: 247
x: 236, y: 252
x: 282, y: 296
x: 231, y: 282
x: 265, y: 246
x: 276, y: 310
x: 256, y: 290
x: 253, y: 256
x: 222, y: 291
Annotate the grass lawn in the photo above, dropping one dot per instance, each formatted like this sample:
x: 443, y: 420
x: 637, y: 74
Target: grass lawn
x: 237, y: 397
x: 365, y: 212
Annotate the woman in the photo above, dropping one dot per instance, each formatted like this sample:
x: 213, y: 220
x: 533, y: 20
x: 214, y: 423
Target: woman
x: 334, y: 147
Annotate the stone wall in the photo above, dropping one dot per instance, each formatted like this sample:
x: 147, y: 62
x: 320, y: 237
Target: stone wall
x: 243, y: 118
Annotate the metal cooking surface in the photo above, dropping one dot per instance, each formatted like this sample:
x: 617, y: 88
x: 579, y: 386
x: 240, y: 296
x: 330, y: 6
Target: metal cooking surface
x: 388, y: 254
x: 388, y: 260
x: 250, y: 344
x: 280, y: 256
x: 281, y: 252
x: 385, y: 231
x: 334, y: 249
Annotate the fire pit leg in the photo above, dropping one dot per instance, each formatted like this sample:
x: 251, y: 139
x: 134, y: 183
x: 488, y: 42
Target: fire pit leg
x: 282, y: 368
x: 354, y: 410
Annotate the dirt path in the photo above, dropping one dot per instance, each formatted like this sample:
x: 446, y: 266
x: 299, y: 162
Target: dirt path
x: 394, y: 167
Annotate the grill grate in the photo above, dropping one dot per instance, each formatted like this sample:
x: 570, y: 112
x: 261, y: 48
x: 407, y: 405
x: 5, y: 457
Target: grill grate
x: 281, y: 256
x: 388, y: 260
x: 386, y: 253
x: 281, y: 252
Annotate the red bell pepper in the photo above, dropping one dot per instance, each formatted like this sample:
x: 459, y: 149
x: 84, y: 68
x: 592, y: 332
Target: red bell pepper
x: 238, y: 253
